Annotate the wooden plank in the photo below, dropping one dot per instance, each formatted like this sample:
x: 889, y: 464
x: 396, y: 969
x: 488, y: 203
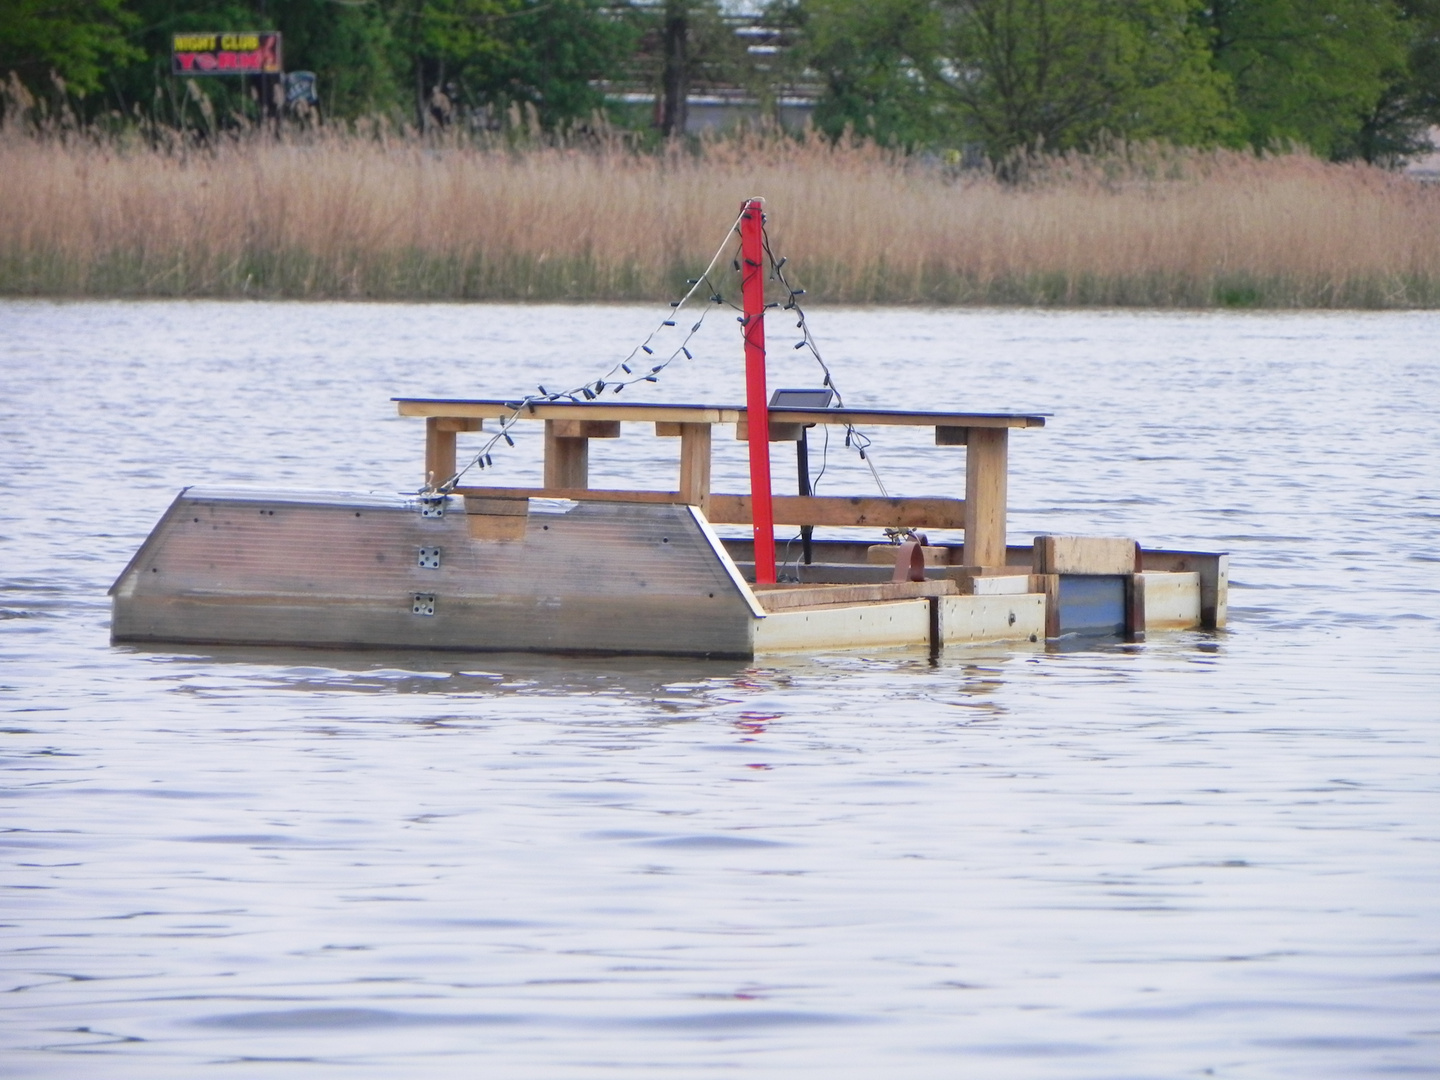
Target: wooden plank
x: 1172, y: 601
x: 994, y: 584
x: 439, y: 451
x: 873, y: 511
x: 497, y: 507
x: 586, y: 429
x: 788, y: 597
x: 1104, y: 555
x: 951, y: 436
x: 497, y: 408
x: 894, y: 624
x: 711, y: 414
x: 834, y: 510
x: 589, y: 494
x: 496, y: 526
x: 967, y: 619
x: 986, y: 462
x: 567, y: 459
x: 694, y: 487
x: 459, y: 423
x: 1214, y: 570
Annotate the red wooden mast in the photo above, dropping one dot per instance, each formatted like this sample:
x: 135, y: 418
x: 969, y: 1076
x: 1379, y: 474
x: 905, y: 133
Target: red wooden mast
x: 757, y: 406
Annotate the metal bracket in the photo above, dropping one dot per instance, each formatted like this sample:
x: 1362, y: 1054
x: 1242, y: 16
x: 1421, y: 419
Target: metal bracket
x: 424, y: 604
x: 433, y: 505
x: 429, y: 558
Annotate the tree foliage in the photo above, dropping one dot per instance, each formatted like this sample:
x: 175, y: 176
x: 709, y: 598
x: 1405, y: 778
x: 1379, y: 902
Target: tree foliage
x: 875, y: 60
x: 1014, y: 75
x: 547, y: 53
x: 1026, y: 74
x: 1307, y: 71
x: 1348, y: 78
x: 422, y: 59
x: 77, y: 40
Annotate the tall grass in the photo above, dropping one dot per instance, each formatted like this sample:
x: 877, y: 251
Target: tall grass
x: 378, y: 217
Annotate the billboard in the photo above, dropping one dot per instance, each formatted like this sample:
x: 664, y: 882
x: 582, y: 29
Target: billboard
x: 242, y: 53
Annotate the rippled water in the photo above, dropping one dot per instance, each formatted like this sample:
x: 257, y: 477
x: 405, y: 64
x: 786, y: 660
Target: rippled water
x: 1210, y: 855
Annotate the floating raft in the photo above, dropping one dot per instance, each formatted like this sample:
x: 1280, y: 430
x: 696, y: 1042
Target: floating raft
x: 567, y: 569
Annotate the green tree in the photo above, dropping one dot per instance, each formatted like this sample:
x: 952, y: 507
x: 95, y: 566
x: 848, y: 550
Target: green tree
x: 77, y: 40
x: 1397, y: 126
x: 686, y: 46
x: 1058, y: 74
x: 875, y: 60
x: 547, y: 53
x: 1311, y: 71
x: 1015, y: 75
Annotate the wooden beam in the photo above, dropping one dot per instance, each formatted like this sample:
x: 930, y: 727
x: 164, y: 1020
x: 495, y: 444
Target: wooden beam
x: 986, y: 461
x: 439, y: 451
x: 711, y: 414
x: 592, y: 494
x: 951, y: 436
x: 1106, y: 555
x: 686, y: 414
x: 1049, y: 584
x: 496, y: 507
x: 459, y: 423
x: 789, y: 597
x: 1135, y: 620
x: 567, y: 459
x: 695, y: 465
x: 870, y: 511
x: 586, y: 429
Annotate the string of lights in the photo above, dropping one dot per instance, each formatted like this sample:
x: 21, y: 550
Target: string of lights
x: 642, y: 364
x: 854, y: 438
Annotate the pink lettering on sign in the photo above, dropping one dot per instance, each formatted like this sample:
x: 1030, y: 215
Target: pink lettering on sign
x: 263, y: 57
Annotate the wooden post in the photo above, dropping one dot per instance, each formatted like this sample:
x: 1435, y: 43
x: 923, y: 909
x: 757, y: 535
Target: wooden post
x: 567, y: 459
x: 757, y: 405
x: 1135, y: 607
x: 1049, y: 584
x: 439, y: 450
x: 986, y: 461
x: 695, y: 465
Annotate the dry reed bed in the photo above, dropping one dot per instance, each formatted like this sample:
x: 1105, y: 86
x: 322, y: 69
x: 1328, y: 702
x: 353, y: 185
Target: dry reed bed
x: 371, y: 218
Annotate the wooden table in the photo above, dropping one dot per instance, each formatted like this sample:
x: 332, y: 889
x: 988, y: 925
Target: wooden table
x: 570, y: 426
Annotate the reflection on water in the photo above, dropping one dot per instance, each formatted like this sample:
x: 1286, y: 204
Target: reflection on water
x: 1208, y: 855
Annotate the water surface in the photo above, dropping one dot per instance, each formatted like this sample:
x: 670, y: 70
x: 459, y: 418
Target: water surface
x: 1210, y: 855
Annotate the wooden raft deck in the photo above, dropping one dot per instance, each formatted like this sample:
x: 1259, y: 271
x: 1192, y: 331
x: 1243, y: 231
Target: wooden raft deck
x: 566, y: 568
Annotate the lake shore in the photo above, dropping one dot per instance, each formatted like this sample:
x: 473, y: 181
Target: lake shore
x: 345, y: 217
